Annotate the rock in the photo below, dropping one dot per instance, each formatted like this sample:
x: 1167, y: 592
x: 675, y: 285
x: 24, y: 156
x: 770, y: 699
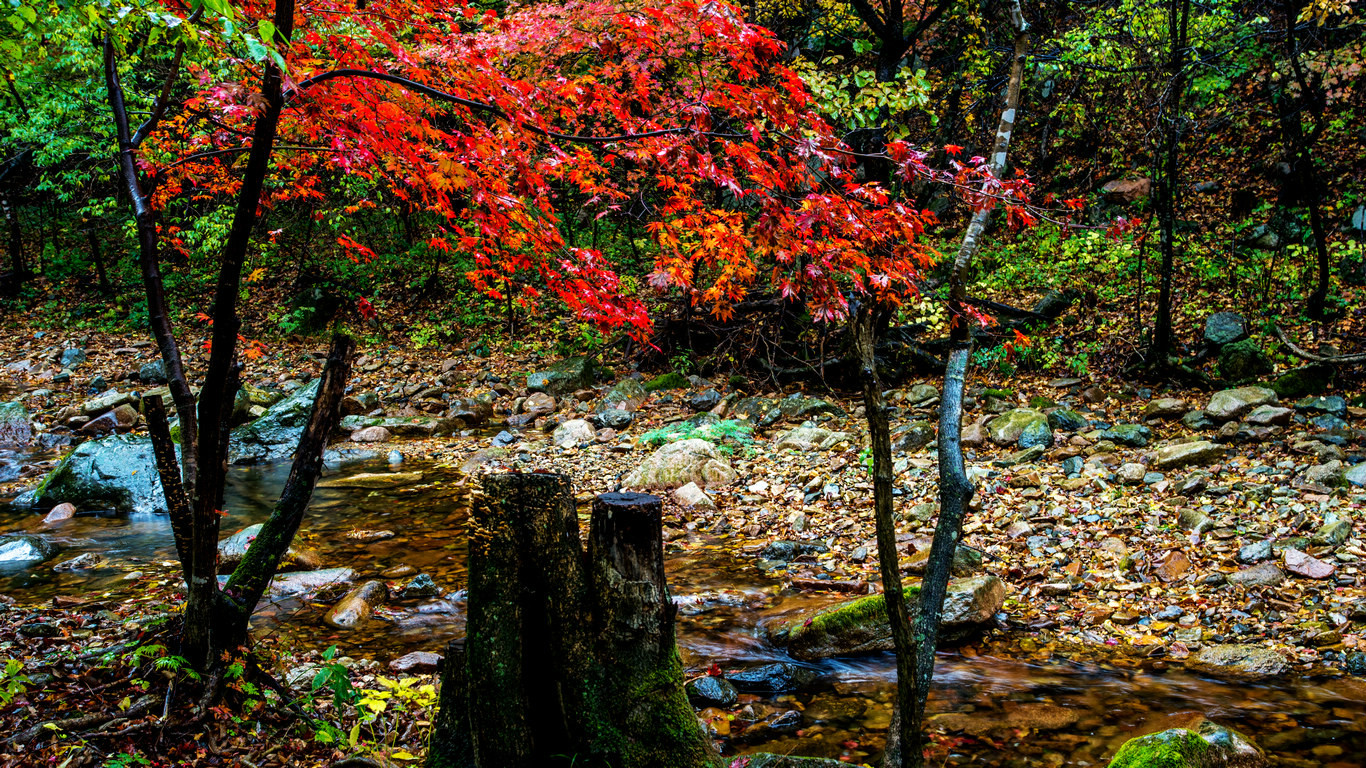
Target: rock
x: 712, y: 691
x: 117, y: 473
x: 613, y: 418
x: 1067, y: 420
x: 691, y: 496
x: 564, y: 377
x: 1208, y: 745
x: 1242, y: 361
x: 1335, y: 405
x: 786, y: 551
x: 974, y: 435
x: 1036, y: 435
x: 1132, y: 435
x: 119, y: 420
x: 1224, y: 328
x: 627, y: 395
x: 1311, y: 379
x: 1127, y: 190
x: 1268, y: 415
x: 676, y: 464
x: 1199, y: 452
x: 232, y: 549
x: 63, y: 511
x: 153, y: 372
x: 705, y: 400
x: 416, y: 663
x: 419, y: 587
x: 15, y: 428
x: 106, y: 402
x: 798, y: 407
x: 371, y: 435
x: 82, y: 562
x: 966, y: 561
x: 1260, y: 575
x: 1330, y: 474
x: 1131, y: 473
x: 1007, y: 428
x: 72, y: 358
x: 1166, y: 408
x: 778, y: 677
x: 464, y: 413
x: 810, y: 439
x: 1197, y: 421
x: 573, y: 433
x: 357, y: 605
x: 309, y: 582
x: 538, y: 404
x: 274, y: 435
x: 373, y: 480
x: 1245, y: 663
x: 1255, y: 552
x: 913, y: 436
x: 861, y: 626
x: 1309, y: 567
x: 1230, y: 404
x: 1356, y: 475
x: 25, y: 548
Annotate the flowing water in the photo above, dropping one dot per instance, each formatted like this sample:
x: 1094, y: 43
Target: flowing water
x: 999, y: 711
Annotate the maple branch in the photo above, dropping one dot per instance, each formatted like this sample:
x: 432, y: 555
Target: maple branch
x: 496, y: 111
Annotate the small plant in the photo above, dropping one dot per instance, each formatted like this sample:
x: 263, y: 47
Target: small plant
x: 13, y: 681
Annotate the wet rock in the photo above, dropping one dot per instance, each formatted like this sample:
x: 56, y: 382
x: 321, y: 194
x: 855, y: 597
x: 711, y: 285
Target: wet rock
x: 373, y: 480
x: 538, y: 404
x: 1197, y: 421
x: 1180, y: 455
x: 1229, y: 404
x: 357, y: 605
x: 786, y: 551
x: 1255, y: 552
x: 1207, y: 745
x: 106, y: 402
x: 1166, y: 408
x: 1007, y: 428
x: 57, y: 514
x: 367, y: 535
x: 573, y: 433
x: 416, y: 663
x: 117, y: 473
x: 419, y: 587
x: 1331, y: 474
x: 627, y: 395
x: 120, y: 420
x: 912, y: 436
x: 1036, y: 434
x: 1261, y: 575
x: 564, y: 377
x: 712, y: 691
x: 677, y: 464
x: 1244, y: 663
x: 1311, y: 379
x: 1356, y: 475
x: 861, y: 626
x: 83, y: 562
x: 232, y: 549
x: 72, y: 358
x: 464, y: 413
x: 1268, y: 415
x: 1131, y: 473
x: 694, y: 497
x: 1067, y: 420
x: 1224, y: 328
x: 15, y: 428
x: 371, y: 435
x: 310, y: 582
x: 1302, y: 564
x: 1332, y: 534
x: 153, y: 372
x: 613, y: 418
x: 1335, y: 405
x: 18, y: 548
x: 274, y: 435
x: 705, y: 400
x: 778, y: 677
x: 810, y: 439
x: 1132, y: 435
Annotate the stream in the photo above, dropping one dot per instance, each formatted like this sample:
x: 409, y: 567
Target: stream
x: 996, y: 711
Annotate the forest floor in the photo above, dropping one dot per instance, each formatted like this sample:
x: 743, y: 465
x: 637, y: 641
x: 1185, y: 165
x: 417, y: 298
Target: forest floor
x: 1103, y: 556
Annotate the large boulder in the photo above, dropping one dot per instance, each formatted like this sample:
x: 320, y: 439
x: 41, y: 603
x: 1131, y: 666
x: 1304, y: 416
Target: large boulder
x: 276, y: 434
x: 1224, y: 328
x: 23, y: 548
x: 1200, y: 745
x: 563, y: 377
x: 861, y: 626
x: 15, y: 429
x: 1229, y: 404
x: 117, y: 473
x: 1312, y: 379
x: 1242, y: 361
x: 677, y: 464
x: 628, y: 395
x: 1007, y: 428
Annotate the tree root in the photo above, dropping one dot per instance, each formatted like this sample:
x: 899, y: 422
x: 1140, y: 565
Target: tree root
x: 1305, y: 354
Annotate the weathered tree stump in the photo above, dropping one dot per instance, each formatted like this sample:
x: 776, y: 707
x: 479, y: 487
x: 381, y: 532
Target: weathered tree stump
x: 568, y: 658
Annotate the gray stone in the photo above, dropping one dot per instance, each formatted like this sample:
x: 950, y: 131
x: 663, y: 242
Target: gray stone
x: 275, y: 435
x: 106, y: 402
x: 922, y: 394
x: 1229, y: 404
x: 573, y: 433
x: 1264, y: 574
x: 1036, y: 434
x: 1356, y: 475
x: 309, y: 582
x: 1180, y: 455
x: 1331, y: 474
x: 1165, y: 408
x: 861, y: 626
x: 1268, y: 415
x: 357, y: 605
x: 1335, y: 405
x: 612, y: 418
x: 786, y: 551
x: 1066, y: 420
x: 1132, y: 435
x: 418, y: 587
x: 564, y: 377
x: 912, y: 436
x: 1007, y: 428
x: 20, y: 548
x: 153, y: 372
x: 72, y: 358
x: 538, y: 404
x: 810, y: 439
x: 677, y: 464
x: 692, y: 496
x: 1242, y: 361
x: 628, y: 395
x: 712, y: 691
x: 705, y: 400
x: 1243, y: 663
x: 371, y: 435
x: 778, y: 677
x: 1196, y: 421
x: 117, y: 473
x: 232, y: 549
x: 1255, y: 552
x: 1310, y: 379
x: 15, y: 428
x: 1223, y: 328
x: 416, y: 663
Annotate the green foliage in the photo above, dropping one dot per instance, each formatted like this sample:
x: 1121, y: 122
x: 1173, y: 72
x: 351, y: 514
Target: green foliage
x: 725, y: 433
x: 13, y: 681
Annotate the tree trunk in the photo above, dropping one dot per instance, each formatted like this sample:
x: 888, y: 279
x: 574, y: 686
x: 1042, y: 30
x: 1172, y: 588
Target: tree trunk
x: 18, y: 269
x: 1178, y: 17
x: 98, y: 258
x: 566, y: 659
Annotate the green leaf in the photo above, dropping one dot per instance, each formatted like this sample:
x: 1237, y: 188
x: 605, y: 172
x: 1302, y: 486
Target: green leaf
x: 267, y: 29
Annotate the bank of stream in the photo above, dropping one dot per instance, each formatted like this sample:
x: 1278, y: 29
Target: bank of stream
x: 994, y: 707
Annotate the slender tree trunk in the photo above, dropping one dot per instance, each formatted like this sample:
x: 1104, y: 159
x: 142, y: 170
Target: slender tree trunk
x: 1299, y: 151
x: 1178, y: 17
x: 18, y: 269
x: 906, y: 750
x: 98, y: 258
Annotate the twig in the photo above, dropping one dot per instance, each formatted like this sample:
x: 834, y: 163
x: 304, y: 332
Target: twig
x: 1307, y: 355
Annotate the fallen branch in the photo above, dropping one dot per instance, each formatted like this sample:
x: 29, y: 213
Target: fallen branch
x: 1297, y: 351
x: 85, y: 722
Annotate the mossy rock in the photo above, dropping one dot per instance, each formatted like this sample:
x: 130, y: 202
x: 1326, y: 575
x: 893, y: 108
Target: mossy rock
x: 1242, y: 361
x: 670, y: 380
x: 1201, y: 744
x: 767, y: 760
x: 1304, y: 381
x: 999, y: 394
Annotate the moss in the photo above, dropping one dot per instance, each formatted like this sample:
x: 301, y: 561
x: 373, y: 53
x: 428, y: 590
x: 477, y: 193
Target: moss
x: 864, y: 611
x: 1175, y: 748
x: 670, y: 380
x: 737, y: 381
x: 1039, y: 402
x: 999, y: 394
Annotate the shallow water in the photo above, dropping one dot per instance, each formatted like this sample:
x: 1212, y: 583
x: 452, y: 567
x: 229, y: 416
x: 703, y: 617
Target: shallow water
x: 1002, y: 711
